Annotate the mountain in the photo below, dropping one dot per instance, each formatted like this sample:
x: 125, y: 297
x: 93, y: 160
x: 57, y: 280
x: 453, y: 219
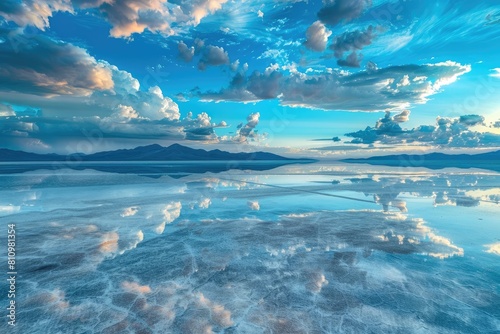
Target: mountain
x: 154, y: 152
x: 490, y: 160
x: 145, y: 160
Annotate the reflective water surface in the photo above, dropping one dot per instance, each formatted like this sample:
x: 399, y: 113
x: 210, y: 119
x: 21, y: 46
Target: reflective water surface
x: 297, y: 249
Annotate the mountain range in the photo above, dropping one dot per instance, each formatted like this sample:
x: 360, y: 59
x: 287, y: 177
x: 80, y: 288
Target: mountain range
x: 153, y: 152
x: 152, y: 160
x: 489, y: 160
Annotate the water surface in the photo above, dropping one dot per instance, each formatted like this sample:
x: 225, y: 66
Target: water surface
x: 319, y: 248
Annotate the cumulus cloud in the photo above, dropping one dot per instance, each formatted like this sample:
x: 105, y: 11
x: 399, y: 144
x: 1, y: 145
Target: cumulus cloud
x: 35, y: 13
x: 126, y: 17
x: 496, y: 73
x: 43, y: 66
x: 202, y: 8
x: 213, y: 56
x: 352, y: 60
x: 185, y: 53
x: 336, y: 11
x: 471, y: 120
x: 373, y: 89
x: 201, y: 127
x: 247, y: 131
x: 6, y: 110
x: 317, y: 36
x: 352, y: 41
x: 447, y: 132
x: 86, y: 96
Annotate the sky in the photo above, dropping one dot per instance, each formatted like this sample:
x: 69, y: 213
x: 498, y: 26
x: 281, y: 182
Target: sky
x: 311, y: 78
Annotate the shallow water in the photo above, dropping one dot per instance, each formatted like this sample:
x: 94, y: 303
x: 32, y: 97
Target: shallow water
x: 318, y: 248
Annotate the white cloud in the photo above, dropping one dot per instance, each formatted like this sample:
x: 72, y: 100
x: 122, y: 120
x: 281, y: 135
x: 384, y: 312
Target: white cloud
x: 373, y: 89
x: 496, y: 73
x: 447, y: 132
x: 317, y: 36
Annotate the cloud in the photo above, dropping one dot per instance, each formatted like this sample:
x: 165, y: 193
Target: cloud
x: 213, y: 56
x: 471, y: 120
x: 126, y: 17
x: 336, y: 11
x: 352, y: 60
x: 317, y: 36
x: 202, y: 8
x: 86, y: 96
x: 210, y: 55
x: 448, y: 132
x: 201, y: 127
x: 43, y: 66
x: 35, y: 13
x: 352, y: 41
x: 373, y: 89
x: 6, y: 110
x: 134, y: 16
x: 185, y: 53
x: 402, y: 117
x: 496, y: 73
x: 247, y: 132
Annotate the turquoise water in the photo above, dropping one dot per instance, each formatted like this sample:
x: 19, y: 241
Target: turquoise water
x: 318, y: 248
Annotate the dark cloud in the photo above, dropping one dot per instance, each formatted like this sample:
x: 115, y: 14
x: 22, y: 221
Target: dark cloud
x: 213, y: 56
x: 352, y: 60
x: 210, y: 55
x: 352, y: 41
x: 185, y: 53
x: 336, y: 11
x: 448, y: 132
x: 373, y: 89
x: 42, y: 66
x: 471, y: 120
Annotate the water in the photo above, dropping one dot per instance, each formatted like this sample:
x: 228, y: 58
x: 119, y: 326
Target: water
x: 317, y: 248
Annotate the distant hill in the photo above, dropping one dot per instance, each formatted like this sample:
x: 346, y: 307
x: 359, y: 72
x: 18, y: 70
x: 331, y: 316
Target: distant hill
x: 154, y: 152
x: 490, y: 160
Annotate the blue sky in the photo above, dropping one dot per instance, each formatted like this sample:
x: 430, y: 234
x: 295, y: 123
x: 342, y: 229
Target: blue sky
x: 284, y: 76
